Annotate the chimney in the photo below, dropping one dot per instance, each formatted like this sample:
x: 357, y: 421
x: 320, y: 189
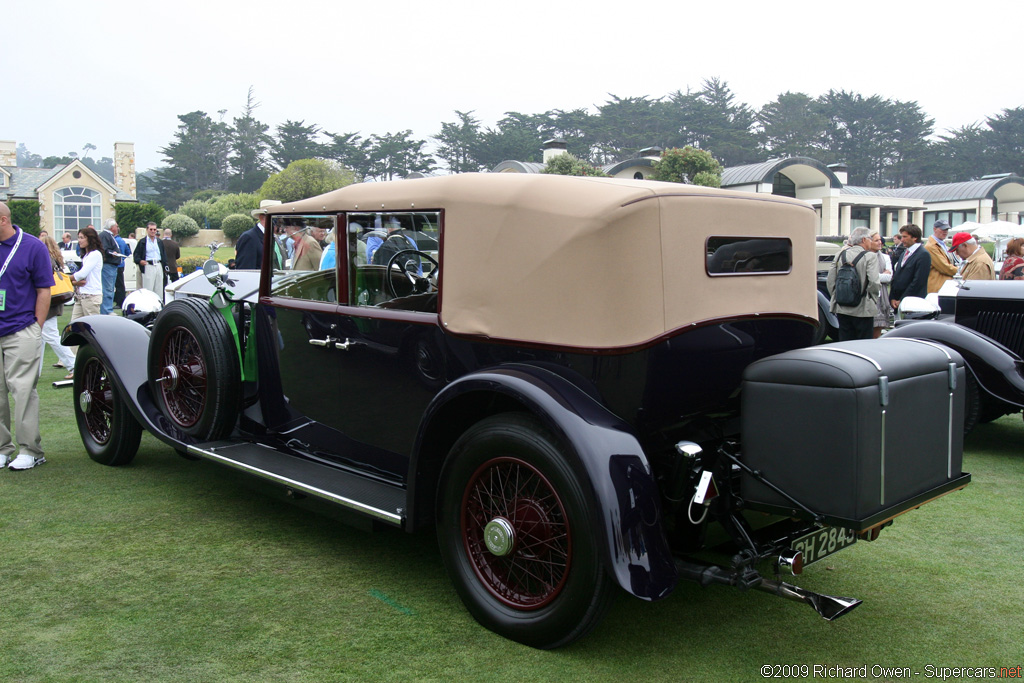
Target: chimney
x: 552, y: 148
x: 124, y: 167
x: 654, y: 152
x: 840, y: 171
x: 8, y: 153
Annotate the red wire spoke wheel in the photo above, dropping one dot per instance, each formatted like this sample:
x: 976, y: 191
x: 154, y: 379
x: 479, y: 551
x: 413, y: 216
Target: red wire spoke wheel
x: 515, y: 533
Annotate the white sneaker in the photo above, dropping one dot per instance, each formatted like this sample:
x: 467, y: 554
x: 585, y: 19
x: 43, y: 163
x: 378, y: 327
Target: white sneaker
x: 25, y: 462
x: 3, y: 461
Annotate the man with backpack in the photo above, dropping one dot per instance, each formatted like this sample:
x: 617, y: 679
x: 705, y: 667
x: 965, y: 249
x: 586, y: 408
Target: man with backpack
x: 853, y: 281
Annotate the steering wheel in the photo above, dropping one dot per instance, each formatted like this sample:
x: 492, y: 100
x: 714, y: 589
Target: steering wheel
x: 420, y: 283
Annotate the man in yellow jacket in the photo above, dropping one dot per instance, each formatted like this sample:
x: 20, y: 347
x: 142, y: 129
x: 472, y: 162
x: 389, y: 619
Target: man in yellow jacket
x: 943, y: 267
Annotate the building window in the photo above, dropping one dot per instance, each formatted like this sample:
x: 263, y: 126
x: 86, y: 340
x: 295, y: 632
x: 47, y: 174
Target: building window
x: 75, y: 208
x: 955, y: 218
x: 783, y: 186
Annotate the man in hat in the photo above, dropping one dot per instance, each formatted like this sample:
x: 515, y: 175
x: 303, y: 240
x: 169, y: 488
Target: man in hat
x: 977, y: 263
x: 249, y: 247
x: 943, y: 267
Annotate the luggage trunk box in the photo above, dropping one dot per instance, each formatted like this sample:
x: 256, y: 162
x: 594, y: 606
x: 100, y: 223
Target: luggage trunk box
x: 857, y: 432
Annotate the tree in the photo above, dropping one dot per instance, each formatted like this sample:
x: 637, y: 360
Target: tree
x: 961, y: 154
x: 295, y: 141
x: 624, y: 126
x: 1005, y: 141
x: 25, y: 214
x: 567, y: 164
x: 249, y: 142
x: 130, y: 217
x: 710, y: 119
x: 791, y: 126
x: 458, y: 143
x: 196, y: 160
x: 306, y: 178
x: 349, y: 150
x: 396, y: 155
x: 27, y: 159
x: 688, y: 164
x: 88, y: 149
x: 517, y: 136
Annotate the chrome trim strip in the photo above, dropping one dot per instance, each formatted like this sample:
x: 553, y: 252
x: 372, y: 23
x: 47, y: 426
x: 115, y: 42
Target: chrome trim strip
x: 383, y: 515
x: 852, y: 353
x: 952, y: 389
x: 881, y: 494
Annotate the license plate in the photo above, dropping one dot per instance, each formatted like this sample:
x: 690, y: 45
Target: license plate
x: 821, y: 543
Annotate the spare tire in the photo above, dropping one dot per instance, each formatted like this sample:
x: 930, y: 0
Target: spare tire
x: 193, y: 369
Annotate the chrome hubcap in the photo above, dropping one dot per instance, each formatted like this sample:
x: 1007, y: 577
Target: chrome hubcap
x: 169, y: 378
x: 499, y: 536
x: 85, y: 402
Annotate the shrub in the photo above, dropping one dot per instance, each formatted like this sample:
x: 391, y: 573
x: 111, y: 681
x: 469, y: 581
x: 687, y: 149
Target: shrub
x: 567, y: 164
x: 229, y: 204
x: 235, y: 224
x: 189, y: 263
x: 688, y: 165
x: 130, y: 217
x: 181, y: 226
x: 25, y: 214
x: 197, y: 210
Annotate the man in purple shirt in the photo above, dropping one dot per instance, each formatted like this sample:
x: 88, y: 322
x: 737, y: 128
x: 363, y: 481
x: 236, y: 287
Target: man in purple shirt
x: 26, y: 275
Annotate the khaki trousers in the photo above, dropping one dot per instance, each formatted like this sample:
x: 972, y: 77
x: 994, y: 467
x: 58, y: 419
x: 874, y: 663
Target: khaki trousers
x: 153, y: 279
x: 19, y: 373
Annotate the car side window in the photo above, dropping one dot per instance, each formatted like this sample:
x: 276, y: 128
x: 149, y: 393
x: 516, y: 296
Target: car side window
x: 393, y: 259
x: 304, y: 244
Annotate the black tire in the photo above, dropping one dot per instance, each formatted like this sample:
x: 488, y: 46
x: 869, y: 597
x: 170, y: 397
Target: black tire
x: 822, y: 330
x: 193, y: 369
x: 109, y: 431
x: 548, y: 586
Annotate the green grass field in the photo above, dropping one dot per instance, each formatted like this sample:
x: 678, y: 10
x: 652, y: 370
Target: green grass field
x: 171, y: 569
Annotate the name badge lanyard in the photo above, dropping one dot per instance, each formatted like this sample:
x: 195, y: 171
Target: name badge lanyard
x: 21, y: 233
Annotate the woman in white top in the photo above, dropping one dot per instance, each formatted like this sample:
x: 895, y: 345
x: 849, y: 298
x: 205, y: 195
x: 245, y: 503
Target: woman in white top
x: 883, y: 318
x: 88, y: 279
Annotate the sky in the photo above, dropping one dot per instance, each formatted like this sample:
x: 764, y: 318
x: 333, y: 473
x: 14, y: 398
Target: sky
x: 116, y: 71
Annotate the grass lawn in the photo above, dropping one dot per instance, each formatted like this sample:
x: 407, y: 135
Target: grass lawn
x: 170, y: 569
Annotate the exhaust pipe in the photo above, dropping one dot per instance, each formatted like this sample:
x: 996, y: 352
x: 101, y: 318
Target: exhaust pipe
x: 828, y: 606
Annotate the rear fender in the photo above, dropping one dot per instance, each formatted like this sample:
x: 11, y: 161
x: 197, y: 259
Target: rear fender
x: 997, y: 368
x: 123, y: 345
x: 601, y: 448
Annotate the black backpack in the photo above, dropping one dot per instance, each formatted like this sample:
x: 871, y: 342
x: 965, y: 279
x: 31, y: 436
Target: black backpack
x: 848, y: 289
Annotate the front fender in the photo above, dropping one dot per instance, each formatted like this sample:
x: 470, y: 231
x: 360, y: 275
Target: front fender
x: 603, y: 451
x: 997, y: 368
x: 124, y: 347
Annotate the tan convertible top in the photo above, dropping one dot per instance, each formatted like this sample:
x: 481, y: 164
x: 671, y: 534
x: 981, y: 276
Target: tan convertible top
x: 596, y: 263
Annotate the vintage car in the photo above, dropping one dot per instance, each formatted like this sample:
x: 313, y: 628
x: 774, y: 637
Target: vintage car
x: 984, y: 322
x: 595, y: 383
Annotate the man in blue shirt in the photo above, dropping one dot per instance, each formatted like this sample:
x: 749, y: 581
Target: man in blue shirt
x: 26, y: 275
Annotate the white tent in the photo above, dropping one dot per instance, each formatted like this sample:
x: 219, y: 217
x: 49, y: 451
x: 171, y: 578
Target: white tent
x: 994, y: 230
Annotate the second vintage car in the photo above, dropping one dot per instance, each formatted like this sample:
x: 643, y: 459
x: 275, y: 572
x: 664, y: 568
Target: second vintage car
x: 584, y: 385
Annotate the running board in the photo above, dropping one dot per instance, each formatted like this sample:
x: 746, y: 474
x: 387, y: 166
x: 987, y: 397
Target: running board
x: 373, y: 498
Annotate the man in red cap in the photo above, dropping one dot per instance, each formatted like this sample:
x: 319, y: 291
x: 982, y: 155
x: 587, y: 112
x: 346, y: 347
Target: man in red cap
x: 977, y: 263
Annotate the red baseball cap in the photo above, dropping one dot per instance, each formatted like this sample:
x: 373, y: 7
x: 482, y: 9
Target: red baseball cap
x: 959, y: 239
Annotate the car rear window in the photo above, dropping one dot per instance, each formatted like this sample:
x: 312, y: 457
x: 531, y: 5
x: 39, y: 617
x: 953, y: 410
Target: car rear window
x: 732, y: 255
